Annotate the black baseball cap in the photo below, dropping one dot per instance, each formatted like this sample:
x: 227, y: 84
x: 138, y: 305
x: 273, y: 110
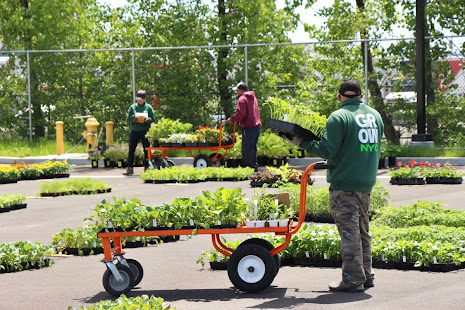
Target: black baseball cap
x: 241, y: 85
x: 141, y: 94
x: 350, y: 84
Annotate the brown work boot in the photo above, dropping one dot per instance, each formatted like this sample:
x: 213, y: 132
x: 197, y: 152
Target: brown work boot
x: 339, y: 287
x: 129, y: 172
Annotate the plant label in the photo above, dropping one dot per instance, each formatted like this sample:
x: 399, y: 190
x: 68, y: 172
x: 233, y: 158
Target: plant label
x: 404, y: 259
x: 382, y: 258
x: 435, y: 261
x: 191, y: 222
x: 218, y: 223
x: 138, y: 238
x: 95, y: 244
x: 255, y: 205
x: 307, y: 254
x: 110, y: 225
x: 154, y: 223
x: 324, y: 256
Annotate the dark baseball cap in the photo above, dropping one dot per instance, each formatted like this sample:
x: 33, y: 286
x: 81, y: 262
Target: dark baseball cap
x: 350, y: 84
x: 241, y: 85
x: 141, y: 94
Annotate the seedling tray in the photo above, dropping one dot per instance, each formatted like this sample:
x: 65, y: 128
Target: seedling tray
x: 291, y: 130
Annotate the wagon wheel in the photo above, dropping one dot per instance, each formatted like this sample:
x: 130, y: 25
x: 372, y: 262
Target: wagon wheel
x: 136, y: 269
x: 202, y: 161
x: 219, y: 162
x: 115, y: 288
x: 267, y: 245
x: 170, y: 163
x: 251, y: 268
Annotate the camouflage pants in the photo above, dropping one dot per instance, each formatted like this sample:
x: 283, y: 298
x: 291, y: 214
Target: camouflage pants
x: 350, y: 213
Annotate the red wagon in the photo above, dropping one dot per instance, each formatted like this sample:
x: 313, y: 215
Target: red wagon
x: 200, y: 160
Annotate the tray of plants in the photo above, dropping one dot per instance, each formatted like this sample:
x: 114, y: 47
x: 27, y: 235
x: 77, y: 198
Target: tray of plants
x: 252, y: 266
x: 291, y: 130
x: 206, y: 139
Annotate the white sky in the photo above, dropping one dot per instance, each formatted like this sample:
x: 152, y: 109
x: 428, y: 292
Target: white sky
x: 299, y: 35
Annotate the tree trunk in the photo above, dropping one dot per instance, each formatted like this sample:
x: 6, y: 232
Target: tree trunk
x: 222, y: 74
x: 375, y: 90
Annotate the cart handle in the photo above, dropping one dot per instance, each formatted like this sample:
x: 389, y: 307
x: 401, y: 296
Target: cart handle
x: 303, y: 198
x: 221, y: 134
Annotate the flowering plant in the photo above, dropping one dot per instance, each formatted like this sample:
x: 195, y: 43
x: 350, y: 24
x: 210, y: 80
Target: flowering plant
x: 445, y: 171
x: 407, y: 171
x: 209, y: 134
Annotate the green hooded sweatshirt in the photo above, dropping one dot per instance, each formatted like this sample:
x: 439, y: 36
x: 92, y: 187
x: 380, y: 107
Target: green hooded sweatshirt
x: 351, y: 142
x: 136, y: 107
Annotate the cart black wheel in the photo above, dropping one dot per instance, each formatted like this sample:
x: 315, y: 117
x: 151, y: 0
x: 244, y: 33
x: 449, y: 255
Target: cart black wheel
x: 202, y: 161
x: 251, y: 268
x: 267, y: 245
x: 112, y: 286
x: 170, y: 163
x: 136, y: 269
x: 156, y: 166
x: 219, y: 162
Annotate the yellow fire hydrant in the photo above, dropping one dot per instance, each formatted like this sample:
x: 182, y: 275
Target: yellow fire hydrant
x: 91, y: 133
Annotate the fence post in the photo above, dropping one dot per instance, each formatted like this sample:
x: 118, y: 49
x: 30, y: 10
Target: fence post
x: 246, y: 66
x: 109, y: 133
x: 133, y: 78
x: 29, y: 95
x: 366, y: 70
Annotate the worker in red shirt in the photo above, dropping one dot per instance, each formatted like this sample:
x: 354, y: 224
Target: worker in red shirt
x: 248, y: 117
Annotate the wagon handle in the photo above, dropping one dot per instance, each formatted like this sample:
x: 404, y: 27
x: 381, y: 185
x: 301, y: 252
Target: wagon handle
x: 221, y: 134
x: 303, y: 198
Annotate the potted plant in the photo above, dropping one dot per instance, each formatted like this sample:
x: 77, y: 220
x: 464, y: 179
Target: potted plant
x: 95, y: 157
x: 391, y: 150
x: 442, y: 174
x: 164, y: 128
x: 410, y: 174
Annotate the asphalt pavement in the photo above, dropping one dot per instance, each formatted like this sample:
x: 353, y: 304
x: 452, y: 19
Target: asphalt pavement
x: 171, y: 272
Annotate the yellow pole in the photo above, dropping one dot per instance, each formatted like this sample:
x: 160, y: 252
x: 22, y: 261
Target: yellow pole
x: 60, y: 141
x: 109, y: 133
x: 91, y: 125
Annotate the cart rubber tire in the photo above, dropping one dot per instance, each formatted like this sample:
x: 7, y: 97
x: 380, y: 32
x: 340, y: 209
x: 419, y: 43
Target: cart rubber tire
x: 202, y: 161
x: 112, y: 286
x: 136, y: 268
x: 170, y: 163
x: 267, y: 245
x: 251, y: 268
x: 218, y: 163
x: 156, y: 166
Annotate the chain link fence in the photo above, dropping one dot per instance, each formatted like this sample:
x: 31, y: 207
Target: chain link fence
x: 194, y: 84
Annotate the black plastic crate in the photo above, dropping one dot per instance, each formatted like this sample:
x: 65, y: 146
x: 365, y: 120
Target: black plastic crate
x: 291, y: 130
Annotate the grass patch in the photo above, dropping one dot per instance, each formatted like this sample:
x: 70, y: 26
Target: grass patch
x: 430, y: 152
x: 36, y: 147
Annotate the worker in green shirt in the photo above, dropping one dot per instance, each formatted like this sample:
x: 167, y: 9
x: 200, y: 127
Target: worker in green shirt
x: 140, y: 117
x: 351, y: 143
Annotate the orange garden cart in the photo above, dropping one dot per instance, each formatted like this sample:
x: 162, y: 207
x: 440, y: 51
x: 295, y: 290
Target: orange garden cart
x: 200, y: 160
x: 252, y: 267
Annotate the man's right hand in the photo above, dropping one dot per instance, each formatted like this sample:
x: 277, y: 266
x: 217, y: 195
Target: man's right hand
x: 229, y: 121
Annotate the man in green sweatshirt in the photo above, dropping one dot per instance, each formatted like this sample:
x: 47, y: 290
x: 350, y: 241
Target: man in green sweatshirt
x: 351, y: 143
x: 140, y: 117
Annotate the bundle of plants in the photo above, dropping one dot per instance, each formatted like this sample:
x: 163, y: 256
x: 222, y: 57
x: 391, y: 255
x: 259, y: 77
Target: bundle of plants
x: 272, y: 149
x: 164, y: 128
x: 83, y: 186
x: 79, y: 241
x: 276, y: 177
x: 266, y: 210
x: 184, y: 174
x: 317, y: 201
x: 117, y: 156
x: 9, y: 174
x: 123, y: 302
x: 224, y: 208
x: 12, y: 202
x: 299, y: 114
x: 45, y: 170
x: 23, y: 255
x: 420, y: 213
x: 442, y: 174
